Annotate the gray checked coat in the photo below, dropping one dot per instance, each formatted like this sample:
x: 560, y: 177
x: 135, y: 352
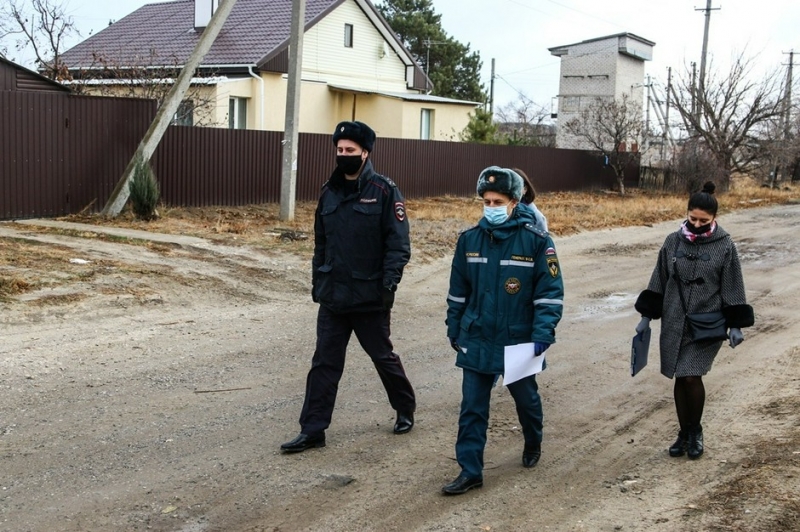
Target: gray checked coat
x: 711, y: 278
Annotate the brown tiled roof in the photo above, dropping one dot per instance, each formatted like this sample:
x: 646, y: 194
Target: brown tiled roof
x: 163, y: 34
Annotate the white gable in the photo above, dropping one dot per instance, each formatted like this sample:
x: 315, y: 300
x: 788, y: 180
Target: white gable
x: 370, y: 64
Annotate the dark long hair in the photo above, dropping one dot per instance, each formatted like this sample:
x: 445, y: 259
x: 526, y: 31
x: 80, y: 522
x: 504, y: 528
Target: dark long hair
x: 704, y: 199
x: 530, y: 193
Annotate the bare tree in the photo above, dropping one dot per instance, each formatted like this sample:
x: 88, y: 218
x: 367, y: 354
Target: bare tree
x: 40, y: 26
x: 138, y: 79
x: 691, y: 165
x: 522, y: 122
x: 780, y: 147
x: 5, y: 31
x: 615, y: 129
x: 735, y: 112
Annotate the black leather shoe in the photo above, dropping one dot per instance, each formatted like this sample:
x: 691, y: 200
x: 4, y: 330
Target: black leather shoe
x: 694, y: 448
x: 531, y: 455
x: 461, y: 485
x: 303, y: 442
x: 405, y: 420
x: 679, y: 447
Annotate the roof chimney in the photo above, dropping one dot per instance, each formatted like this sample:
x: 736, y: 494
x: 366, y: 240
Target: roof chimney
x: 203, y: 9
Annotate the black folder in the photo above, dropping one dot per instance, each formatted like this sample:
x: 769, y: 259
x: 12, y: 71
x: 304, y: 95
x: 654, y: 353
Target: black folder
x: 639, y: 349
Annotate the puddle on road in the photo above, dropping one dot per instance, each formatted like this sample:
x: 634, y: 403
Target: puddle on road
x: 608, y: 305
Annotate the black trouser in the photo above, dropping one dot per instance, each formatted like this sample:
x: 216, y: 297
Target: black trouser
x: 333, y: 334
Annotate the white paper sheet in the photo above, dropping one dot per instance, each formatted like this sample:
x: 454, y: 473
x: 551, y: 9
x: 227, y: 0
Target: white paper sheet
x: 520, y: 362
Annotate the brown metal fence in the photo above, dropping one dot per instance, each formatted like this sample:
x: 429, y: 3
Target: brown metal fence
x: 61, y: 153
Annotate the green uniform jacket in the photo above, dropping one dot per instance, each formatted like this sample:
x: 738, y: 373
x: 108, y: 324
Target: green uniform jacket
x: 505, y: 289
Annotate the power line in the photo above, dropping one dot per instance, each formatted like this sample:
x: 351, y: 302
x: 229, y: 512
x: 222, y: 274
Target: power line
x: 590, y: 15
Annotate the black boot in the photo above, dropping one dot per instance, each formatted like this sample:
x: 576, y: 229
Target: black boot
x: 531, y: 455
x: 694, y: 447
x: 679, y: 447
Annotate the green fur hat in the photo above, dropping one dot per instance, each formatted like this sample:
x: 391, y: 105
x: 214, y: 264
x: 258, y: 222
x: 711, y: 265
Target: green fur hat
x: 501, y: 180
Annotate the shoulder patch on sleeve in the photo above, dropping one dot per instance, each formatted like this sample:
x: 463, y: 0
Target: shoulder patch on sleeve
x: 535, y: 230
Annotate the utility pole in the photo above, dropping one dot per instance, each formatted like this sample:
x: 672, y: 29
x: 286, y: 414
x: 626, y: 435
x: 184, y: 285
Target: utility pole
x: 428, y: 43
x: 694, y: 90
x: 708, y: 9
x: 647, y: 112
x: 787, y: 98
x: 786, y: 123
x: 491, y: 91
x: 291, y: 130
x: 149, y: 143
x: 666, y: 113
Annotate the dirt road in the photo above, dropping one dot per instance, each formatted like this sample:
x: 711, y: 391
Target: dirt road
x: 113, y: 414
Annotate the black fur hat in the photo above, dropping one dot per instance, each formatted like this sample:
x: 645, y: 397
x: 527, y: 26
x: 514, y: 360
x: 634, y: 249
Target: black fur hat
x: 358, y: 132
x: 502, y: 180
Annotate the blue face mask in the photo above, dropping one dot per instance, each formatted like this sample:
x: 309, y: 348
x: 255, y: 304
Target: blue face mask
x: 496, y: 215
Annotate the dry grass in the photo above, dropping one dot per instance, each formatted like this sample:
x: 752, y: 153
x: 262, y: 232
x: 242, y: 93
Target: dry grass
x: 435, y: 224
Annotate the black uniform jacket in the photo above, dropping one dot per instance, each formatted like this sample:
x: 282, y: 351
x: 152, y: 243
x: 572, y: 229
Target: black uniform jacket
x: 361, y: 242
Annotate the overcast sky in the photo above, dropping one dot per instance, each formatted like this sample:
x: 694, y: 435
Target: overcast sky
x: 518, y: 33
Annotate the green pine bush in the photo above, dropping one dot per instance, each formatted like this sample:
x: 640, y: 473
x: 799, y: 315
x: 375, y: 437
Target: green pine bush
x: 144, y: 192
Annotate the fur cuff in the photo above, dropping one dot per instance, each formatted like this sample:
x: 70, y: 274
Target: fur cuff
x: 738, y: 316
x: 649, y: 304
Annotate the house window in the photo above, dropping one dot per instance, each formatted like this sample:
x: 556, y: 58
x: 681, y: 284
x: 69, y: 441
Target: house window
x: 572, y: 103
x: 184, y: 116
x: 237, y: 113
x: 348, y: 35
x: 426, y: 124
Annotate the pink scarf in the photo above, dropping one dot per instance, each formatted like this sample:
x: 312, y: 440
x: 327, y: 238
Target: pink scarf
x: 692, y: 237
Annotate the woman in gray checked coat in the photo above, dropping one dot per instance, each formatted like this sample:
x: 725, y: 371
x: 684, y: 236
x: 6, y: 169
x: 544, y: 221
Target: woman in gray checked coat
x: 701, y: 260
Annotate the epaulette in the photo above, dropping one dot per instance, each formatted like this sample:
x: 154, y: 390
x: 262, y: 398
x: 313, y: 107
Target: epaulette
x: 533, y: 229
x: 387, y: 179
x: 468, y: 229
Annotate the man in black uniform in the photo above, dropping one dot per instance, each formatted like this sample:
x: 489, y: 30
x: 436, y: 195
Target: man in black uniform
x: 361, y: 246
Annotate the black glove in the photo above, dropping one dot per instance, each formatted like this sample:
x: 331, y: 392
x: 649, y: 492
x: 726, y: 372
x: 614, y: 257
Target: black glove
x: 314, y: 297
x: 454, y: 345
x: 387, y: 295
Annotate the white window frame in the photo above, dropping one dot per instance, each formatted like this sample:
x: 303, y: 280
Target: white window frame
x: 237, y: 113
x: 184, y: 116
x: 426, y: 124
x: 348, y: 35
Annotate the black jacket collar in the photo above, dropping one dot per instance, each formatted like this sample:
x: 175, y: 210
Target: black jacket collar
x: 338, y: 178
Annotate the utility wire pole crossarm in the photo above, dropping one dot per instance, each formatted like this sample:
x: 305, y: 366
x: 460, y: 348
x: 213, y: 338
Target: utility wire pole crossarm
x: 164, y: 115
x: 428, y: 43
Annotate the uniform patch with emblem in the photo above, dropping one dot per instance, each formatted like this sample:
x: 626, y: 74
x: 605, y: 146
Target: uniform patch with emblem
x: 552, y: 265
x: 512, y: 285
x: 550, y: 251
x: 400, y: 211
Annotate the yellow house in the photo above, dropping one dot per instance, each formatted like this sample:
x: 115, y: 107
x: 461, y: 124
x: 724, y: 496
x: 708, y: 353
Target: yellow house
x: 354, y: 68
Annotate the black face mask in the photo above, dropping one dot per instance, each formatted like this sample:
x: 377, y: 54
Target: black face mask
x: 698, y: 230
x: 349, y: 164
